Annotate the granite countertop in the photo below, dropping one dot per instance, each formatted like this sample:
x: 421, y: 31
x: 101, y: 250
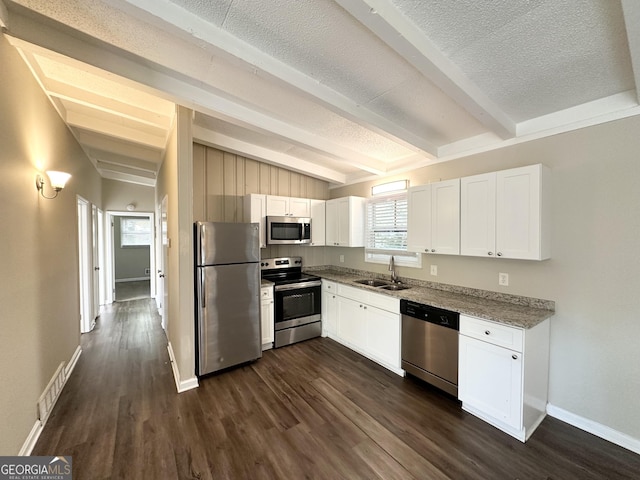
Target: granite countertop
x: 522, y: 312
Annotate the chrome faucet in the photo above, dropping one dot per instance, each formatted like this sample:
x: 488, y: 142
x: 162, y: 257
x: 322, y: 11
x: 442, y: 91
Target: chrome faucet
x: 392, y: 269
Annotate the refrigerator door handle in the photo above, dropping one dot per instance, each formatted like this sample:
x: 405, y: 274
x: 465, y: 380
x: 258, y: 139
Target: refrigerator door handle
x: 202, y: 289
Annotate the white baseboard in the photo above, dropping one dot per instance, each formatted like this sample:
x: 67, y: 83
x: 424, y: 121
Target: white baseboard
x: 34, y: 434
x: 31, y: 440
x: 595, y: 428
x: 132, y: 279
x: 181, y: 385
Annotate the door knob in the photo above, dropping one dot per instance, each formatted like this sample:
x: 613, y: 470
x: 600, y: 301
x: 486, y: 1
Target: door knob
x: 161, y: 275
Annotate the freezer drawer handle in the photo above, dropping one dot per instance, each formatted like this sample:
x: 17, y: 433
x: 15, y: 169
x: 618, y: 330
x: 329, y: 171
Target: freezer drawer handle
x: 202, y: 290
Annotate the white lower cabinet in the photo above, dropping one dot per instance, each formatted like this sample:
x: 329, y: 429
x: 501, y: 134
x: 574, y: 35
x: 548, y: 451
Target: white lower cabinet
x: 267, y: 316
x: 368, y: 323
x: 503, y: 374
x: 329, y: 309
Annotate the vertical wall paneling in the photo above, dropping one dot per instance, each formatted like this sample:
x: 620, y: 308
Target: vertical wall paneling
x: 199, y: 183
x: 215, y: 186
x: 221, y: 179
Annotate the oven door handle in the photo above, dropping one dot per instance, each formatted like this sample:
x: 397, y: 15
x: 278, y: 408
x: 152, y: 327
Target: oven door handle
x: 296, y: 286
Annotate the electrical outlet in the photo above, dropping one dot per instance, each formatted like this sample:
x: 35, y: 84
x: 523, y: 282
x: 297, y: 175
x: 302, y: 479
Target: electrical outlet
x: 147, y: 271
x: 434, y: 270
x: 503, y: 279
x: 341, y: 258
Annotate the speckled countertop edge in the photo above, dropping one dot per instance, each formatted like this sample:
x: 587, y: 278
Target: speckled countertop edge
x: 523, y: 312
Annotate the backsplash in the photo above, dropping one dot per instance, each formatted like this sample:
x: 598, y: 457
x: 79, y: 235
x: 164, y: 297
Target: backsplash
x: 500, y: 297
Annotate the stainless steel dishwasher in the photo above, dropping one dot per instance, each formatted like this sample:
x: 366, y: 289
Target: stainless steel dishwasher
x: 430, y: 344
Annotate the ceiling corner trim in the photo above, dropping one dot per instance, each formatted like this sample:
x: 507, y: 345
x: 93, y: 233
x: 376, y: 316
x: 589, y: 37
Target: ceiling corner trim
x: 631, y: 12
x: 4, y: 15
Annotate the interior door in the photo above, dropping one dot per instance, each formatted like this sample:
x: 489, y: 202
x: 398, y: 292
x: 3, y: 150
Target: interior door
x: 163, y: 287
x: 85, y: 267
x: 95, y: 262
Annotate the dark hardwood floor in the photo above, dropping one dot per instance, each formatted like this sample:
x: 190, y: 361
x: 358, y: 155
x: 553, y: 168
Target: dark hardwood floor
x: 310, y: 410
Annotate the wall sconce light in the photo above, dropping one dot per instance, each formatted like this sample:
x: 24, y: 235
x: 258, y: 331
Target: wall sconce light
x: 56, y: 179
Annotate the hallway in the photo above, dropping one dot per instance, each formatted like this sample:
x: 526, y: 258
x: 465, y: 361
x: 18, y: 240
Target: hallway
x: 311, y: 410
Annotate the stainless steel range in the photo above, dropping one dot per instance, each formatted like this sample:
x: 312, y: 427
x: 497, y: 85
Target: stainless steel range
x: 297, y: 300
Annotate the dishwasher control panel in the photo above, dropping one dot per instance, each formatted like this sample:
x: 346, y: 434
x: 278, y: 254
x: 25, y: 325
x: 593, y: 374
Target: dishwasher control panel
x: 437, y: 316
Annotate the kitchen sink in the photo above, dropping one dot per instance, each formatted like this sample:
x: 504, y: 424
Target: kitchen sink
x: 372, y: 282
x: 394, y: 286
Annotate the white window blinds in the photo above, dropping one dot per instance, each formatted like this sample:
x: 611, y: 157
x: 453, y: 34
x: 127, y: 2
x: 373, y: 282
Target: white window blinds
x: 135, y: 232
x: 387, y: 222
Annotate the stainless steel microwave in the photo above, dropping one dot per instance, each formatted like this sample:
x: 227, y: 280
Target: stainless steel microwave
x: 288, y: 230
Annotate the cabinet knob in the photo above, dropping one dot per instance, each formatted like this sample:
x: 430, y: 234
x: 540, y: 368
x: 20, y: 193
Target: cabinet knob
x: 365, y: 307
x: 490, y: 253
x: 514, y: 356
x: 499, y: 254
x: 487, y: 332
x: 433, y: 249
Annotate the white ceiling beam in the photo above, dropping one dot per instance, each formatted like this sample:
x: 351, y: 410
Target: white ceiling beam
x: 401, y: 34
x: 256, y: 152
x: 71, y: 93
x: 112, y: 158
x: 167, y: 15
x: 92, y: 140
x: 113, y: 129
x: 39, y: 38
x: 631, y: 12
x: 125, y: 177
x: 110, y: 167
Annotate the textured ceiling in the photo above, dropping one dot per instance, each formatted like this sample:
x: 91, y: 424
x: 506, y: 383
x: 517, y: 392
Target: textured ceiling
x: 344, y: 90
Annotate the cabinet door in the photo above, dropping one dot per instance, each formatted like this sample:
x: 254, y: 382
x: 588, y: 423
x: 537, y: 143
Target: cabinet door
x: 277, y: 206
x: 255, y: 210
x: 344, y: 218
x: 299, y: 207
x: 383, y: 336
x: 518, y: 220
x: 329, y: 313
x: 478, y: 215
x: 490, y: 380
x: 331, y: 227
x: 351, y: 322
x: 419, y: 219
x: 267, y: 313
x: 318, y: 222
x: 445, y: 217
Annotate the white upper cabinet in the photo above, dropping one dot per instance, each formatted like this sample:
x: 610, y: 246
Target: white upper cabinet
x: 505, y: 214
x: 478, y: 215
x: 318, y: 222
x: 288, y: 206
x: 434, y: 218
x: 445, y: 217
x: 523, y: 211
x: 419, y: 219
x: 345, y: 222
x: 255, y: 211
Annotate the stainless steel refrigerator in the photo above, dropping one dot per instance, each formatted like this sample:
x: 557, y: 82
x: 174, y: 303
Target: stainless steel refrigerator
x: 227, y: 260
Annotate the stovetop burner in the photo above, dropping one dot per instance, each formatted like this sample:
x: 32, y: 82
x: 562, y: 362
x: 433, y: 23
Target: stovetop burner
x: 284, y: 270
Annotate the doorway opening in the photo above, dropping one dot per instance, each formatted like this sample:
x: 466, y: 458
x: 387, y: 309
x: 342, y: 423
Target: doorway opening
x: 132, y: 256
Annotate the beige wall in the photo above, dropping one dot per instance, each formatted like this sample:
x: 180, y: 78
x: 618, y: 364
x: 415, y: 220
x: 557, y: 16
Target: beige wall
x: 117, y: 195
x: 593, y: 275
x: 39, y: 299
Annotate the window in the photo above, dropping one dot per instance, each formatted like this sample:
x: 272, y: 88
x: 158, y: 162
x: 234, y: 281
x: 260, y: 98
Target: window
x: 386, y: 232
x: 135, y: 232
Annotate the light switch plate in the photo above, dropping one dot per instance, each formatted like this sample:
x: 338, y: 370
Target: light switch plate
x: 341, y: 258
x: 503, y: 279
x: 434, y: 270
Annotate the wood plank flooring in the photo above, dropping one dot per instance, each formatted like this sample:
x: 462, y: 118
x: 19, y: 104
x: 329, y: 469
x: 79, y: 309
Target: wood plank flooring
x: 314, y: 410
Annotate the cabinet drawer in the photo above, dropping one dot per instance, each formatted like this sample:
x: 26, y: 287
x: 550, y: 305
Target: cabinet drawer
x: 353, y: 293
x: 266, y: 293
x: 492, y: 332
x: 328, y: 286
x: 384, y: 302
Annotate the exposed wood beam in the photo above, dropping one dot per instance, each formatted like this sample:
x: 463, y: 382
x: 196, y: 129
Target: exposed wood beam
x: 256, y: 152
x: 124, y: 177
x: 110, y: 167
x: 171, y: 85
x: 631, y: 12
x: 397, y: 31
x: 167, y: 15
x: 91, y: 140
